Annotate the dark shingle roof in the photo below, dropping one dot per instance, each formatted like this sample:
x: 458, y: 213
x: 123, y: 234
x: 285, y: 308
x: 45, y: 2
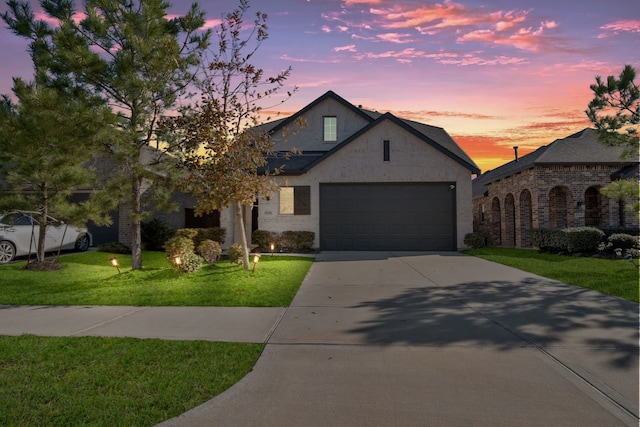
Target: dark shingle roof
x: 580, y: 148
x: 434, y: 136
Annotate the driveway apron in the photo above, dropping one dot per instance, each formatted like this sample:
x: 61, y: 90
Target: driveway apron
x: 437, y: 339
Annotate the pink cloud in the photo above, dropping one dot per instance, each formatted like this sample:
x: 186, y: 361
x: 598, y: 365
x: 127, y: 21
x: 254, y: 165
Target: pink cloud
x: 348, y: 48
x: 617, y: 27
x: 523, y: 38
x: 395, y: 38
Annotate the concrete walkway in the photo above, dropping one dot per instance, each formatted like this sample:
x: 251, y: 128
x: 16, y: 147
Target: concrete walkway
x: 402, y: 339
x: 405, y: 339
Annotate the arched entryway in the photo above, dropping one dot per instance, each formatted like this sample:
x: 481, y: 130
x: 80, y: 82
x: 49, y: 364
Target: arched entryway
x: 509, y: 220
x: 560, y: 207
x: 526, y: 218
x: 496, y: 221
x: 592, y: 207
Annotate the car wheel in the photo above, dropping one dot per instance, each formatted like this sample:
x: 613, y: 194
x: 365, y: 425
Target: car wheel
x: 82, y: 243
x: 7, y: 251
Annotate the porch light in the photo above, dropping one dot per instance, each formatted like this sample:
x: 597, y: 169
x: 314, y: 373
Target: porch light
x: 256, y: 259
x: 114, y: 262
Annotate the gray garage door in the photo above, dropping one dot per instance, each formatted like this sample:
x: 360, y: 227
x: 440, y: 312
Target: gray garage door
x: 388, y: 216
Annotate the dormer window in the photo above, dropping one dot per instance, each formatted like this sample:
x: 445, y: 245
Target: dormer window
x: 330, y: 129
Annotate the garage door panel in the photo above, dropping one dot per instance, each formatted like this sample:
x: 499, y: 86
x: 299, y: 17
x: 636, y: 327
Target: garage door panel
x: 387, y: 216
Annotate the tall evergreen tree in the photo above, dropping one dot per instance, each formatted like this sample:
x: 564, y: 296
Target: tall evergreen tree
x: 615, y: 112
x: 47, y: 140
x: 129, y: 53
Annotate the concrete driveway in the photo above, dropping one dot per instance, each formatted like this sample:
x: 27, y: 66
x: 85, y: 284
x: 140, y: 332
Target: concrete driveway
x: 437, y: 339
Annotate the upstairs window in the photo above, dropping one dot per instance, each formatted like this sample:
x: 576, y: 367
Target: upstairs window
x: 330, y: 131
x: 295, y: 200
x: 385, y: 151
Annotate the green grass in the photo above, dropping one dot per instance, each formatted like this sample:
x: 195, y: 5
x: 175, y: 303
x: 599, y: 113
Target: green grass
x: 64, y: 381
x: 612, y: 277
x: 112, y: 381
x: 89, y: 279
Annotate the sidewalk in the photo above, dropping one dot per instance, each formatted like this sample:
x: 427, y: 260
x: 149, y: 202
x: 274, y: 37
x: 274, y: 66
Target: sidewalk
x: 232, y: 324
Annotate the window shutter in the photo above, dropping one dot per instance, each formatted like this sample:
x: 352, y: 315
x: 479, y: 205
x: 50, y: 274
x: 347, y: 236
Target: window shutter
x: 302, y: 200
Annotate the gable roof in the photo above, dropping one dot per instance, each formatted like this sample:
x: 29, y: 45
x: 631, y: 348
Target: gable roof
x: 581, y: 148
x: 436, y: 137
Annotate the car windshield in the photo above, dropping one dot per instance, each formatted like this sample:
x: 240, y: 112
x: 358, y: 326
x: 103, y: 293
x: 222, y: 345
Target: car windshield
x: 16, y: 218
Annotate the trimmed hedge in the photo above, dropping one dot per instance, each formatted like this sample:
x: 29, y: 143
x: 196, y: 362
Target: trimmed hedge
x: 583, y: 239
x: 568, y: 240
x: 287, y: 241
x: 474, y: 240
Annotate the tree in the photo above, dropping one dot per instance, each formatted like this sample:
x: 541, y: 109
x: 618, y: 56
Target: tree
x: 621, y: 99
x: 225, y: 146
x: 46, y: 142
x: 138, y: 61
x: 615, y: 112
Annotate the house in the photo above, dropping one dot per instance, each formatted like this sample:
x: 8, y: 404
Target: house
x: 555, y: 186
x: 366, y: 181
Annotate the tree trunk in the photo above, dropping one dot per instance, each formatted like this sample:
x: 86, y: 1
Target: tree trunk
x: 42, y: 235
x: 242, y: 234
x: 135, y: 215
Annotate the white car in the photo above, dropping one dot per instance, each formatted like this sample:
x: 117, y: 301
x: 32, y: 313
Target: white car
x: 19, y: 234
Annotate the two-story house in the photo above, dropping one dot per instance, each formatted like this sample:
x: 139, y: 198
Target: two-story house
x: 366, y: 181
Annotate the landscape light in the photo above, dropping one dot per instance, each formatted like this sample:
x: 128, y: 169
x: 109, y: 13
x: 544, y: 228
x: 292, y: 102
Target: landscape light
x: 272, y: 247
x: 114, y: 262
x: 256, y: 258
x: 177, y: 260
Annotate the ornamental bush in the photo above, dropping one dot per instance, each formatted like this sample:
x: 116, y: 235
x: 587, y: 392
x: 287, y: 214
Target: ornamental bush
x: 235, y: 253
x: 583, y: 239
x: 297, y: 241
x: 474, y: 240
x: 155, y: 233
x: 189, y: 263
x: 263, y: 239
x: 622, y: 241
x: 178, y: 246
x: 549, y: 240
x: 217, y: 234
x: 210, y: 251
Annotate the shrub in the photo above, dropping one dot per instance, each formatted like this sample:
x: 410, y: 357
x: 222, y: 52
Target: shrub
x: 114, y: 248
x: 549, y: 240
x: 155, y: 233
x: 583, y: 239
x: 263, y: 239
x: 217, y: 234
x: 189, y: 263
x: 178, y: 246
x: 235, y: 253
x: 188, y: 233
x: 298, y: 240
x: 474, y: 240
x: 622, y: 241
x: 210, y: 251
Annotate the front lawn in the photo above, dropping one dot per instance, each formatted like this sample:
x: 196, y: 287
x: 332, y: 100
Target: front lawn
x: 113, y: 381
x: 89, y: 279
x: 62, y: 381
x: 609, y: 276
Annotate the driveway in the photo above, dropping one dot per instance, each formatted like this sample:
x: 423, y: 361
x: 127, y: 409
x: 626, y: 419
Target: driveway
x: 437, y: 339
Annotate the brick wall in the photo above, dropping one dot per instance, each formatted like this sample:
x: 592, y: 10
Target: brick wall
x: 553, y: 196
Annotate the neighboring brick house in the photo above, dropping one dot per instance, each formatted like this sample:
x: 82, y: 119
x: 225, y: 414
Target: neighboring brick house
x: 555, y: 186
x: 366, y: 181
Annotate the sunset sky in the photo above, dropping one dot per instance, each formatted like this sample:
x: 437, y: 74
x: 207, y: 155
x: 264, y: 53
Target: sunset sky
x: 493, y: 73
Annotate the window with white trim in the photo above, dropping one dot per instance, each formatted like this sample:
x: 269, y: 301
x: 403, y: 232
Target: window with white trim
x: 330, y: 128
x: 295, y: 200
